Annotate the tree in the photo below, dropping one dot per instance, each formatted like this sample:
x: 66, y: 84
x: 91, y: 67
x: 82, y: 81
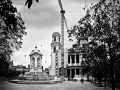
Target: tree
x: 11, y: 30
x: 30, y: 2
x: 102, y: 24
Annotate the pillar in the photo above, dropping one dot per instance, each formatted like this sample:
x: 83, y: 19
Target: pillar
x: 70, y: 59
x: 80, y: 59
x: 79, y: 71
x: 30, y: 62
x: 70, y: 73
x: 75, y: 71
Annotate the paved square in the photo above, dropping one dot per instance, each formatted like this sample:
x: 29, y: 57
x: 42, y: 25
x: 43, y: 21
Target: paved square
x: 66, y: 85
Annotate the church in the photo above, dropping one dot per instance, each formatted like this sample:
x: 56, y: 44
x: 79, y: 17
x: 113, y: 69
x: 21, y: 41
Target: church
x: 72, y: 59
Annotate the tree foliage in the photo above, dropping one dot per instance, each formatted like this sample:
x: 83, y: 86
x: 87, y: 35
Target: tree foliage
x: 12, y: 29
x: 30, y: 2
x: 101, y: 26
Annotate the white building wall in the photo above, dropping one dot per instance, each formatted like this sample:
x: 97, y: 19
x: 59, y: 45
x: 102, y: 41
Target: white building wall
x: 52, y: 70
x: 65, y: 57
x: 80, y: 59
x: 59, y: 58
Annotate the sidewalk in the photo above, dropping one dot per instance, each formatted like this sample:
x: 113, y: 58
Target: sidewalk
x: 82, y: 86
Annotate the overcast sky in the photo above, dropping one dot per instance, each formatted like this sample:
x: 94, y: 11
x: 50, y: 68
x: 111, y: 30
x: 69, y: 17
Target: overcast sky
x: 41, y: 21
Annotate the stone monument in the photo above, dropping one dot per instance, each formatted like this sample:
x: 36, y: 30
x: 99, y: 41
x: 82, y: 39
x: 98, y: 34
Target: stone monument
x: 36, y: 61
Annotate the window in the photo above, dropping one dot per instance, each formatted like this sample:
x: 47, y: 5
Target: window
x: 77, y: 58
x: 73, y: 58
x: 54, y: 49
x: 77, y: 71
x: 55, y: 38
x: 68, y: 58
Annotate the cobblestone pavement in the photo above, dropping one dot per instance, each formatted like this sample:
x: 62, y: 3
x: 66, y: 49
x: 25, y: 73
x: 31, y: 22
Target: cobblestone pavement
x: 66, y: 85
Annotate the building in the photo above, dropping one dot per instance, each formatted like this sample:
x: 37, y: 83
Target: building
x: 73, y: 63
x: 73, y: 58
x: 17, y: 67
x: 20, y: 68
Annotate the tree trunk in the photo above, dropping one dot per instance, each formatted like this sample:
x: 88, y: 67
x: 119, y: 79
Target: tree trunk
x: 111, y: 67
x: 112, y: 75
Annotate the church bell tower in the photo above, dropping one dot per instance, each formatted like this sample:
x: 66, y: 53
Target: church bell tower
x: 55, y: 47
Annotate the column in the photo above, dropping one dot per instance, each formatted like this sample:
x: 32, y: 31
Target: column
x: 35, y: 62
x: 70, y: 73
x: 79, y: 71
x: 30, y: 62
x: 70, y: 59
x: 80, y: 59
x: 75, y: 58
x: 75, y: 71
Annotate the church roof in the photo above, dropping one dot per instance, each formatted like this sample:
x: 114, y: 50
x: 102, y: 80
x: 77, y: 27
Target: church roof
x: 35, y: 51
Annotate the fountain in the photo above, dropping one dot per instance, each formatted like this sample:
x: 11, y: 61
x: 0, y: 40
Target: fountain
x: 36, y: 75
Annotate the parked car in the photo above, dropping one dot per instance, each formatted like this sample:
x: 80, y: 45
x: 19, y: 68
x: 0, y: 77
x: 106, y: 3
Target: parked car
x: 77, y: 78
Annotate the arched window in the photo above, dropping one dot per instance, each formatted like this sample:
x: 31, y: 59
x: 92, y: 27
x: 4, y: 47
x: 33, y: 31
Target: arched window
x: 77, y: 58
x: 55, y: 38
x: 68, y: 58
x: 73, y: 58
x: 54, y: 49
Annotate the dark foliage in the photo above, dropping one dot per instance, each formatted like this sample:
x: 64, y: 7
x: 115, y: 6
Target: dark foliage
x: 101, y: 25
x: 11, y: 32
x: 30, y: 2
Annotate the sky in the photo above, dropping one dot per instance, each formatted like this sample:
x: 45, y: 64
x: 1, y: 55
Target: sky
x: 41, y: 21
